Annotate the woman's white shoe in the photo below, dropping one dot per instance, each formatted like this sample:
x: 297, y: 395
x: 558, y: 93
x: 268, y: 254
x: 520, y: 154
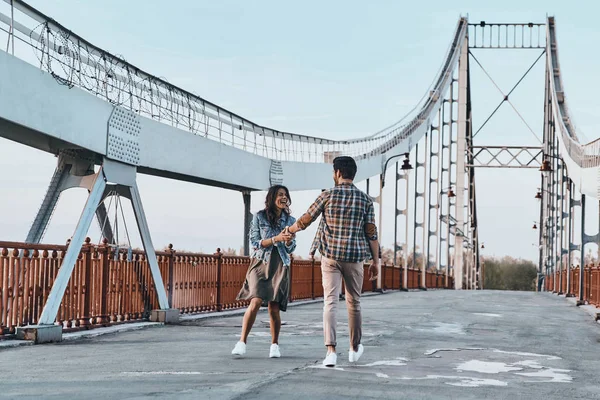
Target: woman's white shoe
x: 239, y: 349
x: 274, y: 352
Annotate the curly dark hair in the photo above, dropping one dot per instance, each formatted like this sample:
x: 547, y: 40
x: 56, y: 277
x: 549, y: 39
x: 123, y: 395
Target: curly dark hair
x: 271, y: 208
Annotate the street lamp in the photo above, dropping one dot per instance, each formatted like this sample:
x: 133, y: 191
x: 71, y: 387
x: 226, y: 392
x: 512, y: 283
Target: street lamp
x: 405, y: 166
x: 545, y: 166
x: 406, y: 163
x: 534, y: 225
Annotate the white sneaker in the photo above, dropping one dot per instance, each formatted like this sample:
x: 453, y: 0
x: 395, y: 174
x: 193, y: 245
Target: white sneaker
x: 239, y: 349
x: 330, y: 360
x: 353, y: 356
x: 274, y: 352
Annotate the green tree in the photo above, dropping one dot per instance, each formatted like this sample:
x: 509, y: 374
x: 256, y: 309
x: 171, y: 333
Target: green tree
x: 508, y: 273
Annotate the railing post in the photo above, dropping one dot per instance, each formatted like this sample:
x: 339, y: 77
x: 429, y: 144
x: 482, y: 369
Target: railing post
x: 401, y: 278
x: 581, y: 299
x: 312, y: 278
x: 290, y: 297
x: 104, y: 284
x: 87, y: 292
x: 171, y: 284
x: 219, y: 257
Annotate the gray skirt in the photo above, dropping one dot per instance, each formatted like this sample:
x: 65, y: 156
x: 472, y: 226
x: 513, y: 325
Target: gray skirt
x: 267, y: 281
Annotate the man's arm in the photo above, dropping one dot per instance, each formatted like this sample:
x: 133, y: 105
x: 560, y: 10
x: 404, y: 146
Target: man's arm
x: 374, y: 267
x: 311, y: 214
x: 371, y: 234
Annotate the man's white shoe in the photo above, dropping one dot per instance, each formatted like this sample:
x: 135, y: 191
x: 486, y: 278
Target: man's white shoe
x: 353, y: 356
x: 330, y: 360
x: 274, y: 352
x: 239, y: 349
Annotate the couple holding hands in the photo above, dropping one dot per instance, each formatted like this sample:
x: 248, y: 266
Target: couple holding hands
x: 346, y: 237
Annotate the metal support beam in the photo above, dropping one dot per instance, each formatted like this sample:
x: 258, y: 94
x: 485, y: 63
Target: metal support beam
x: 443, y: 172
x: 70, y: 172
x: 546, y: 186
x: 380, y: 282
x: 561, y: 228
x: 122, y: 178
x: 140, y: 216
x: 463, y: 84
x: 506, y: 156
x: 582, y: 263
x: 246, y: 195
x: 433, y: 189
x: 64, y: 273
x: 570, y: 245
x: 422, y: 223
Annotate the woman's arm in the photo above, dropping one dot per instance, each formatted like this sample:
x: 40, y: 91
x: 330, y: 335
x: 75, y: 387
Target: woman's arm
x: 255, y: 238
x: 255, y: 235
x: 290, y: 245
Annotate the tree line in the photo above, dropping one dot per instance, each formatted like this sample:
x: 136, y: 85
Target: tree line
x: 508, y: 273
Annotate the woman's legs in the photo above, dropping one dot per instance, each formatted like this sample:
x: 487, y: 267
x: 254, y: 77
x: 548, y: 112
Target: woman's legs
x: 250, y: 317
x: 275, y: 321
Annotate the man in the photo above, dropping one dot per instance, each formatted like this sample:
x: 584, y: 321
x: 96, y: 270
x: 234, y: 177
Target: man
x: 346, y: 237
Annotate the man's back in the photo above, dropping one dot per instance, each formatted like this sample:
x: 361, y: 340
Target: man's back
x: 347, y: 215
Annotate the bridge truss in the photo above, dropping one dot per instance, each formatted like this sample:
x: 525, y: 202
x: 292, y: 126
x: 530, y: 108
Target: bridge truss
x: 435, y: 200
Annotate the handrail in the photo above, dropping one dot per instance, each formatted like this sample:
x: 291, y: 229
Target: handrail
x: 74, y: 61
x: 584, y: 155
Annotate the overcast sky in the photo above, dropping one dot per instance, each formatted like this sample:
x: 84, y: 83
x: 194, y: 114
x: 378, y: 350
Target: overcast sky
x: 336, y: 69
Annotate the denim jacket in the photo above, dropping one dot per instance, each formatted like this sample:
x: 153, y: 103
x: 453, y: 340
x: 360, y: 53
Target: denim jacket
x: 261, y: 229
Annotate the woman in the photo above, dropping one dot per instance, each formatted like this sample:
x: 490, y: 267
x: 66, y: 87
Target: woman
x: 268, y: 277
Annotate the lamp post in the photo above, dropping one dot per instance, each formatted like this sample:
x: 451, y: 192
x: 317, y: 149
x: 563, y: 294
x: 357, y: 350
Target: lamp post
x: 482, y: 266
x: 546, y: 167
x: 406, y: 167
x: 450, y: 194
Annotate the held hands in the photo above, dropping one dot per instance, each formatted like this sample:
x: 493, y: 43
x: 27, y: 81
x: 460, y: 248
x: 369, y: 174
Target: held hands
x: 374, y: 269
x: 285, y: 236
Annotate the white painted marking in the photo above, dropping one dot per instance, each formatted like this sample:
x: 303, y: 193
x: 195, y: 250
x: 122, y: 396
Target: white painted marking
x: 143, y: 373
x: 321, y: 366
x: 464, y: 381
x: 488, y: 315
x: 529, y: 364
x: 433, y: 351
x: 380, y: 375
x: 486, y: 367
x: 554, y: 375
x: 444, y: 329
x: 298, y: 333
x: 518, y: 353
x: 256, y: 334
x: 476, y: 382
x: 392, y: 363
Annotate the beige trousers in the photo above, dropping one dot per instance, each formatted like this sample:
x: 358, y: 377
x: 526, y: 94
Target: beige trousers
x: 352, y: 274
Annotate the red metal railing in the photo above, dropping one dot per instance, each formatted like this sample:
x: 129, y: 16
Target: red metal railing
x: 591, y: 283
x: 108, y: 287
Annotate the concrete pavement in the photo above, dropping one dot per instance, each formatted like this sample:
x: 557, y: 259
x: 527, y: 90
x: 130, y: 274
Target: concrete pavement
x: 419, y: 345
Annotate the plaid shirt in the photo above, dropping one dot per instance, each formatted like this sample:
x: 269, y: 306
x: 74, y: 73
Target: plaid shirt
x: 341, y: 235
